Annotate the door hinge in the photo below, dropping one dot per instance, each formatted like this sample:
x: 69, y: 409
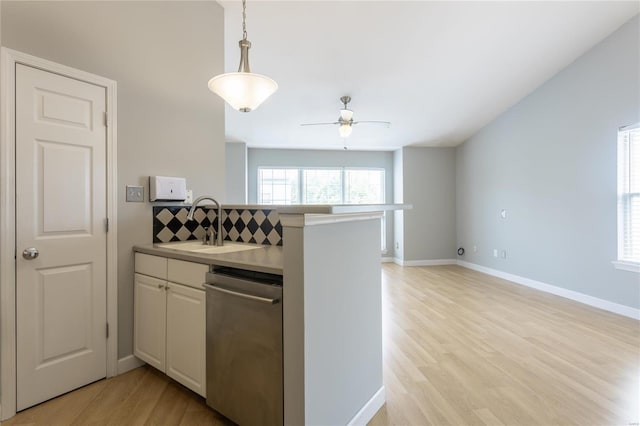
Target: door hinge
x: 107, y: 330
x: 106, y: 225
x: 106, y: 119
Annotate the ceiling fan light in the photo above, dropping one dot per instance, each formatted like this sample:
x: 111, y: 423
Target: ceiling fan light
x: 244, y: 91
x: 345, y: 130
x: 346, y: 114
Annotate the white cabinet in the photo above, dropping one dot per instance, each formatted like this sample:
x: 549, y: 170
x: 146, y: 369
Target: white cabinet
x: 186, y: 336
x: 150, y: 320
x: 169, y: 318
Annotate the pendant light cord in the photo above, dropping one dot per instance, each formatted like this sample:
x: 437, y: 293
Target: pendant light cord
x: 244, y: 19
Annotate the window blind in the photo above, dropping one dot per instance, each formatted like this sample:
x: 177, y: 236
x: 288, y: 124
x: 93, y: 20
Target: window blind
x: 629, y: 194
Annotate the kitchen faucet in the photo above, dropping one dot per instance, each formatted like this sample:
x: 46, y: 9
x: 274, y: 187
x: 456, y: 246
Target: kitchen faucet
x: 219, y: 238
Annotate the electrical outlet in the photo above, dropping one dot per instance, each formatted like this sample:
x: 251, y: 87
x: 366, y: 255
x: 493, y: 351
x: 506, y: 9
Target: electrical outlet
x: 189, y: 196
x: 503, y: 254
x: 135, y: 194
x: 475, y: 249
x: 495, y: 252
x: 397, y: 246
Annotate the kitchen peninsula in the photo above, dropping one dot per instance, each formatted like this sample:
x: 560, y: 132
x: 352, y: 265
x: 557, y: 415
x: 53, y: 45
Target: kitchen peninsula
x: 332, y: 315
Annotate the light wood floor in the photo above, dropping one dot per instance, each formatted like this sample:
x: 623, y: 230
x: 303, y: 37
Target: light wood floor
x: 143, y: 396
x: 460, y: 348
x: 464, y: 348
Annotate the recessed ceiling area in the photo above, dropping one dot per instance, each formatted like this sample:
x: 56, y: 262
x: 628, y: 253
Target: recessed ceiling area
x: 438, y: 71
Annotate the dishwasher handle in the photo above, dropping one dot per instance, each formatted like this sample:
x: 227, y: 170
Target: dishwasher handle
x: 243, y: 295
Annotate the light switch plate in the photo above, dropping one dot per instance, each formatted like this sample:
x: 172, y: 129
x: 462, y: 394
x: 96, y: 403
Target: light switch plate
x: 135, y: 194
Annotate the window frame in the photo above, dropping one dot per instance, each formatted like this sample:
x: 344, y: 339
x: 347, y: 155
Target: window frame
x: 624, y: 166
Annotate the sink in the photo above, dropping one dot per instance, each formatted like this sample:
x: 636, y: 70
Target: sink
x: 194, y: 246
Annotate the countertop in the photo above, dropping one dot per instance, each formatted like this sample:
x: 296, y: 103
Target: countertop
x: 267, y: 259
x: 315, y: 208
x: 339, y: 208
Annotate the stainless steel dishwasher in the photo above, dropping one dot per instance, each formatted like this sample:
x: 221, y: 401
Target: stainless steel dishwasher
x: 244, y: 346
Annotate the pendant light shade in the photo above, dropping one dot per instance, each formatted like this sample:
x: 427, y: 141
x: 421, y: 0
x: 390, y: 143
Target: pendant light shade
x: 243, y: 90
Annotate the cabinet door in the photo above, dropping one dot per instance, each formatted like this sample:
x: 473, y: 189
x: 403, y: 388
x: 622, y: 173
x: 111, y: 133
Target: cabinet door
x: 149, y: 320
x: 186, y: 337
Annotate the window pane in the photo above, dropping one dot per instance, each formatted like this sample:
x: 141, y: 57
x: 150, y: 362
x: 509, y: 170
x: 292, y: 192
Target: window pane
x: 278, y: 186
x: 364, y: 186
x: 321, y: 186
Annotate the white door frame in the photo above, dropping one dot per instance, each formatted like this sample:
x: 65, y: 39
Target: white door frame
x: 9, y: 59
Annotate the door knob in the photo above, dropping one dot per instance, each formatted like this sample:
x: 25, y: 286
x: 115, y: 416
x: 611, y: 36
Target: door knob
x: 30, y: 253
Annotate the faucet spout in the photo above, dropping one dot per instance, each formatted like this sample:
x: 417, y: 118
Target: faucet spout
x: 219, y: 214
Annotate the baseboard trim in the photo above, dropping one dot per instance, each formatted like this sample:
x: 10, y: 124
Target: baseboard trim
x: 369, y: 409
x: 128, y: 363
x: 606, y: 305
x: 434, y: 262
x: 388, y: 260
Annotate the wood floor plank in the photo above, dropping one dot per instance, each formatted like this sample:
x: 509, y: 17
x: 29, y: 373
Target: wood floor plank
x: 137, y: 408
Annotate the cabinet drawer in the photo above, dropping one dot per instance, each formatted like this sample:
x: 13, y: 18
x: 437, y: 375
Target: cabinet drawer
x: 187, y: 273
x: 154, y: 266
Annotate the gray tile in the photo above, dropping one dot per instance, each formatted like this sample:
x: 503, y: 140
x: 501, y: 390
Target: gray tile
x: 164, y: 216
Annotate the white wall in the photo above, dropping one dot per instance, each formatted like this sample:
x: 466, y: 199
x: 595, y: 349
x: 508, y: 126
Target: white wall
x: 550, y: 161
x: 428, y: 183
x: 236, y: 172
x: 332, y: 317
x: 161, y: 54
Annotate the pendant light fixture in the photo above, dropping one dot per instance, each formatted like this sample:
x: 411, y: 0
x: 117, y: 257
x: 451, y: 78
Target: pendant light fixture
x: 243, y: 90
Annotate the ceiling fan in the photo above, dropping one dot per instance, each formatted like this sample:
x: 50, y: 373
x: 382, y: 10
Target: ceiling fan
x: 345, y: 120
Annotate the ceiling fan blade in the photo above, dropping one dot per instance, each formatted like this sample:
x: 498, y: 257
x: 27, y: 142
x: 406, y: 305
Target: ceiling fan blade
x: 382, y: 123
x: 319, y: 124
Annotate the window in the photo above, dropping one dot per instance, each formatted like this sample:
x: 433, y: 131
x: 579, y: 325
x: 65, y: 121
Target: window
x: 629, y: 198
x: 288, y: 185
x: 278, y: 186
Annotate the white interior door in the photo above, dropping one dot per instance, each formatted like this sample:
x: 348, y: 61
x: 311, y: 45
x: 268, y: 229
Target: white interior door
x: 60, y: 211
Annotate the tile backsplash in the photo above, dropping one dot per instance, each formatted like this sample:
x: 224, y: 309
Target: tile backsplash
x: 258, y: 226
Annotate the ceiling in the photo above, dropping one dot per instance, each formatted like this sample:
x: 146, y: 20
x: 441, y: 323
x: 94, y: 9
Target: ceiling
x: 438, y: 71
